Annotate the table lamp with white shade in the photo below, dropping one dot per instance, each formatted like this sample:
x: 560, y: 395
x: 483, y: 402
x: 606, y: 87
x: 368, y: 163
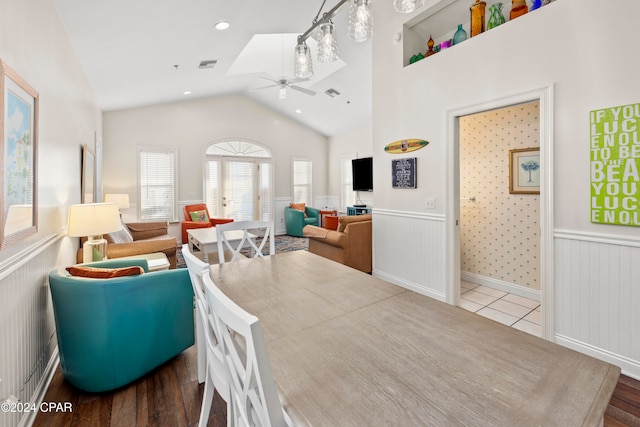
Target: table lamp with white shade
x: 93, y: 220
x: 122, y: 200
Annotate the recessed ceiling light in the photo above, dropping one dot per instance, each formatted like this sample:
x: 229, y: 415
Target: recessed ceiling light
x: 186, y: 92
x: 222, y: 25
x: 299, y: 111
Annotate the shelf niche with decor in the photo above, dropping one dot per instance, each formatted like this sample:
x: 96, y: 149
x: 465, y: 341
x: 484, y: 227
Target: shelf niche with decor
x: 440, y: 22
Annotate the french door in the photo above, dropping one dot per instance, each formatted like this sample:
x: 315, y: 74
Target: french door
x: 239, y: 188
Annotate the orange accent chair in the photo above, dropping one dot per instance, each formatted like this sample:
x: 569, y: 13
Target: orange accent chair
x: 205, y: 221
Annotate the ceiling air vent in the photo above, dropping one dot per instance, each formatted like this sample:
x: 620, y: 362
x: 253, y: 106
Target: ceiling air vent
x: 332, y: 93
x: 208, y: 64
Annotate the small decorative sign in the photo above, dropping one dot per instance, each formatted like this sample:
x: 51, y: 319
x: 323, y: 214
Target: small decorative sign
x: 405, y: 146
x: 403, y: 173
x: 615, y: 165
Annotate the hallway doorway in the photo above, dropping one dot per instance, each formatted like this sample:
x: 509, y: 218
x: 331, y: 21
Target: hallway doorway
x: 500, y: 226
x: 500, y: 239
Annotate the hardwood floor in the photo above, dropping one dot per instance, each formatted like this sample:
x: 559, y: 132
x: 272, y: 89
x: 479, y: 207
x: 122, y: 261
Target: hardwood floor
x: 624, y: 406
x: 171, y: 396
x: 168, y: 396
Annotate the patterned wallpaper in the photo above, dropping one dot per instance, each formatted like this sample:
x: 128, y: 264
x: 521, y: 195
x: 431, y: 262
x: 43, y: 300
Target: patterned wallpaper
x: 500, y: 232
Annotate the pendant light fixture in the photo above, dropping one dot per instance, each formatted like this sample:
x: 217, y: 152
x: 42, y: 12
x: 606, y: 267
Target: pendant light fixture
x: 360, y: 29
x: 327, y: 43
x: 303, y: 67
x: 407, y: 6
x: 360, y: 20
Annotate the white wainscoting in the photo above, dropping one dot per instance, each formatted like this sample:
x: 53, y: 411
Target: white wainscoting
x: 409, y: 250
x: 279, y: 203
x: 28, y: 355
x: 597, y: 297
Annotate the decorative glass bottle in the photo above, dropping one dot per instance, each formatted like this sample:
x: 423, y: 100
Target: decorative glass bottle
x: 477, y: 17
x: 460, y: 35
x: 430, y: 50
x: 536, y: 4
x: 518, y: 8
x: 495, y: 16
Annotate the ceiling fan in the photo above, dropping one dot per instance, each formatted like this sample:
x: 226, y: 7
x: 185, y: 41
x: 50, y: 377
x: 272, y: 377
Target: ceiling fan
x: 283, y: 84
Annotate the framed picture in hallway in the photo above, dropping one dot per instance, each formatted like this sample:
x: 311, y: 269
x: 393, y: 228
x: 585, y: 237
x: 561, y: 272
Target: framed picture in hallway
x: 19, y: 143
x: 524, y: 171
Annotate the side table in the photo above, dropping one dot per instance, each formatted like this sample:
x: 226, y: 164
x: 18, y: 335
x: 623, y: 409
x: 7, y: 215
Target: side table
x: 324, y: 213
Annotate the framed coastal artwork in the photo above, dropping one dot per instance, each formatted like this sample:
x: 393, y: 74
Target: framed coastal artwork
x: 19, y: 148
x: 524, y: 171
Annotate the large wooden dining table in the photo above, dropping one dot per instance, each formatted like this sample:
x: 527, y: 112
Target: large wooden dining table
x: 349, y: 349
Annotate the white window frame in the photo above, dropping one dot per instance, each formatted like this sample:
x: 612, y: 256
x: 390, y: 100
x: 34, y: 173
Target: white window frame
x: 309, y: 186
x: 172, y: 207
x: 347, y: 195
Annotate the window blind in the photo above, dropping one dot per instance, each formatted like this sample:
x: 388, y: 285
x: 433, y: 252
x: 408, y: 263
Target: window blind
x: 212, y: 189
x: 240, y: 190
x: 302, y: 181
x: 347, y: 195
x: 265, y: 191
x: 156, y: 184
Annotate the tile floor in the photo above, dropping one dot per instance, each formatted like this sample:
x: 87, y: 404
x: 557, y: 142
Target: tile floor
x: 512, y: 310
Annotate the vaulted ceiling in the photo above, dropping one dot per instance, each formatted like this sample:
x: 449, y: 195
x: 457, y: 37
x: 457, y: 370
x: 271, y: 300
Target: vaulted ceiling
x: 144, y: 52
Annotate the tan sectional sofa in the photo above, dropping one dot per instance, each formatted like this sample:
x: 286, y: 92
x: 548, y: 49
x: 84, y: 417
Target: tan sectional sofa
x: 349, y: 245
x: 140, y: 238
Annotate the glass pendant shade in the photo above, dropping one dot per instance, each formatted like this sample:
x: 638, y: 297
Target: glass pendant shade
x: 360, y: 20
x: 302, y: 66
x: 327, y: 44
x: 407, y: 6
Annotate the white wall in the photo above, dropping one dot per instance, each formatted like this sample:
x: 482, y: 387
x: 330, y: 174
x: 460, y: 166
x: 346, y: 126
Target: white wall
x: 555, y: 45
x: 34, y: 43
x: 191, y: 126
x: 358, y: 142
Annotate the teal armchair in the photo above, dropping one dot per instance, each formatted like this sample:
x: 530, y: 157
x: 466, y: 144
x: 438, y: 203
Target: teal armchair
x: 295, y: 219
x: 113, y: 331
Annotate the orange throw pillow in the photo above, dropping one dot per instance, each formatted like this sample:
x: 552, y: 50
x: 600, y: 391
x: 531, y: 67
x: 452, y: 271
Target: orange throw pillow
x: 331, y: 222
x: 299, y: 207
x: 104, y: 273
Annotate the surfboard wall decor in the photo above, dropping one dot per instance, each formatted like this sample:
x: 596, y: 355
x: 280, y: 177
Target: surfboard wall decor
x: 405, y: 146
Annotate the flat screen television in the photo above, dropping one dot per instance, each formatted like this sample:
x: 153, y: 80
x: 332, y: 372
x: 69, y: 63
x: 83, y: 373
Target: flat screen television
x: 362, y: 173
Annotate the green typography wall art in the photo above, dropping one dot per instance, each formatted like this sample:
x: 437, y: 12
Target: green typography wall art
x: 615, y: 165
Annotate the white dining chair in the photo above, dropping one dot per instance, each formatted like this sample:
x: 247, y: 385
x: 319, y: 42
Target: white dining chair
x: 233, y: 246
x: 252, y: 388
x: 211, y: 366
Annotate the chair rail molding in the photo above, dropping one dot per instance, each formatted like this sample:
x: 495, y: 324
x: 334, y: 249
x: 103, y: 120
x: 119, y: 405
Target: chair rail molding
x: 16, y: 261
x: 606, y: 238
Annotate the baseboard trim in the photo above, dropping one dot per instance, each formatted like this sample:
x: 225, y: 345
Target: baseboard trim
x: 41, y: 390
x: 440, y: 296
x: 629, y: 367
x: 501, y: 285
